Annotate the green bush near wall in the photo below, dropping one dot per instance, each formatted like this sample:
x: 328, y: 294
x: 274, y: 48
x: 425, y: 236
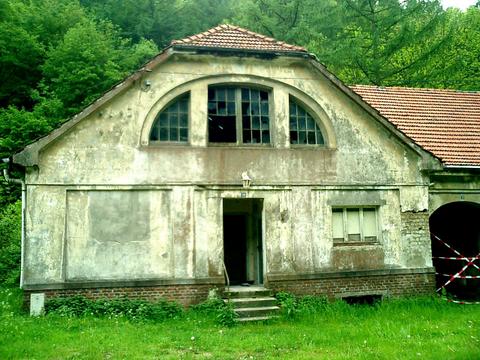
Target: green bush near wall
x: 10, y: 246
x: 120, y: 307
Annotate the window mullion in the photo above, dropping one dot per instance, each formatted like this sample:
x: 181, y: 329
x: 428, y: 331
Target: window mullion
x: 238, y: 115
x: 360, y: 215
x: 345, y: 225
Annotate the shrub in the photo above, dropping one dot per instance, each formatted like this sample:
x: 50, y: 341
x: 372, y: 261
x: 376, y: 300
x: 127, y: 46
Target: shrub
x: 311, y: 304
x: 10, y: 247
x: 226, y: 315
x: 121, y: 307
x: 223, y: 312
x: 293, y: 306
x: 288, y: 304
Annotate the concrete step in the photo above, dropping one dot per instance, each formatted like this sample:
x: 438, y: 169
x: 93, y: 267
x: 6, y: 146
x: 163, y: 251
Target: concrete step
x: 246, y: 292
x: 257, y: 311
x: 252, y: 302
x: 256, y: 318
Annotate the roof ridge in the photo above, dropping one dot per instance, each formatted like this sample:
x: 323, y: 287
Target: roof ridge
x: 217, y: 30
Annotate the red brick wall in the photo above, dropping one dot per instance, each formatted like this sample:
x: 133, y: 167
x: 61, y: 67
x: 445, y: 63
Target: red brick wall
x: 184, y: 294
x: 389, y: 285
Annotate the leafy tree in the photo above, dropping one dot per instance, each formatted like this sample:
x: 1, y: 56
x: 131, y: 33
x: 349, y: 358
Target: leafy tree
x: 27, y: 30
x: 156, y: 20
x: 195, y: 16
x: 20, y: 127
x: 379, y: 42
x: 386, y: 40
x: 458, y: 67
x: 20, y: 57
x: 88, y: 61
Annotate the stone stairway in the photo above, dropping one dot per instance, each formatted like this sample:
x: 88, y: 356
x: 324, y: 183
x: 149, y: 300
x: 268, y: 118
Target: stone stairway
x: 252, y: 303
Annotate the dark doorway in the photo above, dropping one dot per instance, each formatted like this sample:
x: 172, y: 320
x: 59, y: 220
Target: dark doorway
x: 242, y: 240
x: 456, y: 224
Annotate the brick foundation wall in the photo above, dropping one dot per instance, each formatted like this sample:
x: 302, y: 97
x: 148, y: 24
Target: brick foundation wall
x: 344, y: 286
x: 184, y: 294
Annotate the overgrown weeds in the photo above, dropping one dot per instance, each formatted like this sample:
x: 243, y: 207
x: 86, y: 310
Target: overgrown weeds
x: 293, y: 307
x: 222, y: 311
x: 122, y: 307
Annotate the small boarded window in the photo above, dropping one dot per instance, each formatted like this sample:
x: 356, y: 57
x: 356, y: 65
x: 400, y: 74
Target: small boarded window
x: 354, y: 225
x: 238, y: 115
x: 304, y: 130
x: 171, y: 124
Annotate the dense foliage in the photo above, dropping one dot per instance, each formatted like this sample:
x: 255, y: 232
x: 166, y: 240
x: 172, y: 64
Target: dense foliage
x: 121, y: 307
x: 56, y: 56
x: 10, y: 223
x: 138, y: 310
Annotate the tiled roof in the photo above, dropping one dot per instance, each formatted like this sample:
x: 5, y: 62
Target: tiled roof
x: 444, y: 122
x: 234, y: 37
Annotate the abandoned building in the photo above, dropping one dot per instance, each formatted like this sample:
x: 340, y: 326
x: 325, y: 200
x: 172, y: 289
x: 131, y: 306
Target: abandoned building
x: 234, y: 156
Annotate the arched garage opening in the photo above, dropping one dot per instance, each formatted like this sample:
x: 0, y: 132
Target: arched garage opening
x: 455, y: 233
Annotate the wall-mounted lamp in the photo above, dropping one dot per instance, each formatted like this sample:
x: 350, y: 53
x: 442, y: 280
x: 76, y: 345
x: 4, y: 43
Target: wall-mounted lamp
x: 246, y: 180
x: 146, y: 85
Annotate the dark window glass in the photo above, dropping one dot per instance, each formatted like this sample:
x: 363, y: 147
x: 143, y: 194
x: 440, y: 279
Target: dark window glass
x: 225, y: 115
x: 255, y: 111
x: 171, y: 124
x: 303, y: 127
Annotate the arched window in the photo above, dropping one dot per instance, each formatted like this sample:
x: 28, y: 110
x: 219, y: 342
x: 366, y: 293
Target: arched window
x: 304, y: 129
x: 171, y: 124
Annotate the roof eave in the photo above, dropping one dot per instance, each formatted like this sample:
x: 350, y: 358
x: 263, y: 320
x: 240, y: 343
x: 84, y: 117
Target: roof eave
x: 462, y: 167
x: 240, y: 52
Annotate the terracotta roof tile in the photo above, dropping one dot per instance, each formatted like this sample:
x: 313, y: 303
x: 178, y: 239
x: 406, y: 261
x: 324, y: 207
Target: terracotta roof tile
x: 234, y: 37
x: 444, y: 122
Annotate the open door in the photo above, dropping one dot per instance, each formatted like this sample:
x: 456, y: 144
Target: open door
x: 242, y: 240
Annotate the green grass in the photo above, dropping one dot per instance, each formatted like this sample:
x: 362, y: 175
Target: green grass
x: 420, y: 328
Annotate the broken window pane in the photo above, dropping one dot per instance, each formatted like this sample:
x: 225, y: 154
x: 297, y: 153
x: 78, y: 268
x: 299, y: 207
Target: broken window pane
x: 222, y: 129
x: 253, y: 115
x: 256, y: 137
x: 293, y: 137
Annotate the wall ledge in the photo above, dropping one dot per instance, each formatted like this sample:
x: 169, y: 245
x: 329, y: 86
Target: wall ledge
x: 129, y: 283
x: 329, y: 274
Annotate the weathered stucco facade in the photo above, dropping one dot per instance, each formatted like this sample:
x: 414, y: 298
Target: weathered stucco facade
x: 109, y: 209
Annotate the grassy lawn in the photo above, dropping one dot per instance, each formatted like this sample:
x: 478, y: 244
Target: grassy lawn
x: 396, y: 329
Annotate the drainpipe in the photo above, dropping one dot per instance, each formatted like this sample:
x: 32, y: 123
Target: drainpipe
x: 7, y: 177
